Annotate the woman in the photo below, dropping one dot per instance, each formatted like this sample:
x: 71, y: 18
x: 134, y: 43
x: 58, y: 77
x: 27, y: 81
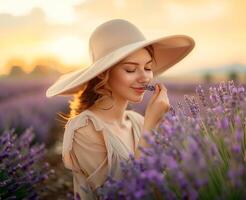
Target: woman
x: 100, y: 132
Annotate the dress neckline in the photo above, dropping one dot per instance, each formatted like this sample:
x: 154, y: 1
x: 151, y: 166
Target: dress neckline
x: 132, y: 130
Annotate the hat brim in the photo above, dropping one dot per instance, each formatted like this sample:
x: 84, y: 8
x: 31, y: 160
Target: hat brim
x: 168, y: 51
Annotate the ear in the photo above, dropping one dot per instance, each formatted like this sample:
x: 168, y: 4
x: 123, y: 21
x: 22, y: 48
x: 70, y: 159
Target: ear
x: 101, y: 76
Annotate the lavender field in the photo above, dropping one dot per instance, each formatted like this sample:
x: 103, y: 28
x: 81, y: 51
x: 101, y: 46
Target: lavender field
x: 23, y: 105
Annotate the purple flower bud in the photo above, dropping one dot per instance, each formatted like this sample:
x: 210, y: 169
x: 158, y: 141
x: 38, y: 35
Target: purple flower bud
x: 231, y: 85
x: 225, y: 123
x: 172, y: 164
x: 149, y: 87
x: 201, y: 95
x: 192, y: 104
x: 241, y: 93
x: 214, y: 97
x: 139, y: 194
x: 236, y: 148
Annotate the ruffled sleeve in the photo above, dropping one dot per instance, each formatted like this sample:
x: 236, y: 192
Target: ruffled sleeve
x: 85, y: 150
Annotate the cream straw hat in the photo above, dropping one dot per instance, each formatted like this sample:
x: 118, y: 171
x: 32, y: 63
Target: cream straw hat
x: 114, y: 40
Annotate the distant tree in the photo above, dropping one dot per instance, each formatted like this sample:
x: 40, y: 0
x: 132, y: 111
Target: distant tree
x: 233, y: 76
x: 51, y: 65
x: 16, y: 71
x: 39, y: 70
x: 207, y: 77
x: 15, y: 66
x: 42, y: 70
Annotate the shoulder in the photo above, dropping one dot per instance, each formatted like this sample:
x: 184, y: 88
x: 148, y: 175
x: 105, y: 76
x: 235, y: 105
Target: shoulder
x: 85, y: 121
x: 83, y: 128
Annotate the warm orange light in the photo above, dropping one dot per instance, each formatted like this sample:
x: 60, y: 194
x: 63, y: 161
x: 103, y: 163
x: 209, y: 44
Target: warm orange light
x: 69, y: 49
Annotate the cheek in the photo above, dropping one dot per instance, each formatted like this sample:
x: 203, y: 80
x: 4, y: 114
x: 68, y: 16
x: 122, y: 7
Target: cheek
x: 121, y: 81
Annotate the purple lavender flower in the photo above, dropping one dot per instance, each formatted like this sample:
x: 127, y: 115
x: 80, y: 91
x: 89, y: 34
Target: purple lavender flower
x: 214, y: 97
x: 189, y: 156
x: 19, y: 168
x: 150, y: 87
x: 193, y: 105
x: 201, y: 94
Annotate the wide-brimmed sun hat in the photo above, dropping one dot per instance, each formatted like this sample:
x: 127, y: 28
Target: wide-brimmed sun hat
x: 114, y: 40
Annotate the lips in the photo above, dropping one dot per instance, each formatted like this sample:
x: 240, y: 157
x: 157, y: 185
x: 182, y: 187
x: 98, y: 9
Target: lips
x: 139, y: 90
x: 139, y: 87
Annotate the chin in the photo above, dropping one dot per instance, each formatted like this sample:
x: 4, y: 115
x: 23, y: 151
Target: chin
x: 136, y: 99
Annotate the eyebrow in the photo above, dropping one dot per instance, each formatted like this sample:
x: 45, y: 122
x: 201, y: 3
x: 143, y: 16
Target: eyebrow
x: 134, y: 63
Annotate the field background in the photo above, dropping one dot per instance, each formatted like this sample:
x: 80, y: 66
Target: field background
x: 41, y: 40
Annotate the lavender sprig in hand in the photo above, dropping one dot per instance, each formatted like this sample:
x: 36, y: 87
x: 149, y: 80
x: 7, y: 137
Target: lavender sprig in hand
x: 149, y: 87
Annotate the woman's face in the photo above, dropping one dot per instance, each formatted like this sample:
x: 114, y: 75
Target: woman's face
x: 132, y: 72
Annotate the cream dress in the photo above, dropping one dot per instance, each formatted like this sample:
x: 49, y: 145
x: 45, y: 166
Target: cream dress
x: 92, y: 151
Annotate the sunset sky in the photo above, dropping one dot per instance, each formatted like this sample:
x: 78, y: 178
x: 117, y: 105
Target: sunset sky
x: 59, y: 30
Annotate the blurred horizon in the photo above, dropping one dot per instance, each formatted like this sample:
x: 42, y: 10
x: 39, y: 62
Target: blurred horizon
x: 42, y: 35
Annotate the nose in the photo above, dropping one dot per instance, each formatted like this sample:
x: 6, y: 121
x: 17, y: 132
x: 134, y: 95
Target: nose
x: 144, y: 77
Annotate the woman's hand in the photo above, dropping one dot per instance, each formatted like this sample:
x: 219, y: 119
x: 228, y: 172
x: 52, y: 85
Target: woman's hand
x: 157, y: 107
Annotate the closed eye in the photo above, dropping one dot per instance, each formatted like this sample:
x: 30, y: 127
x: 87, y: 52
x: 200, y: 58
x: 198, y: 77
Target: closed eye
x: 130, y: 71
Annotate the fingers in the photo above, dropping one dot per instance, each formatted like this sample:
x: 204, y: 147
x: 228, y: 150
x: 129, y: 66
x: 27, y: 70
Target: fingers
x: 162, y: 87
x: 162, y: 97
x: 163, y: 91
x: 155, y: 94
x: 160, y: 93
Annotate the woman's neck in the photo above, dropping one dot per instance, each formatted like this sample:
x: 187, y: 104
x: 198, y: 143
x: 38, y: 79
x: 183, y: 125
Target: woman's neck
x: 113, y: 116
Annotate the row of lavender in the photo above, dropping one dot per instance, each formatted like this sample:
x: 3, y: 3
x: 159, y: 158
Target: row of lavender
x: 184, y: 130
x: 192, y: 155
x: 28, y: 123
x: 26, y: 117
x: 31, y: 111
x: 13, y: 87
x: 22, y: 174
x: 23, y: 104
